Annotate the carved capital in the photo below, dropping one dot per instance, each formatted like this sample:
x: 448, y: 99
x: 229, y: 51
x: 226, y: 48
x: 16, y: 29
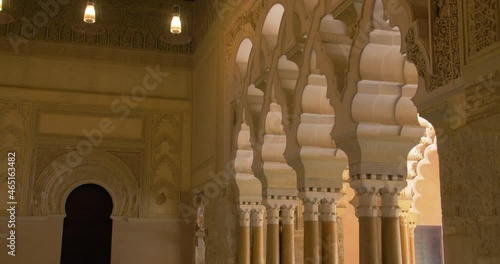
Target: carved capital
x: 245, y: 216
x: 273, y: 215
x: 389, y: 206
x: 288, y: 214
x: 328, y: 210
x: 257, y: 217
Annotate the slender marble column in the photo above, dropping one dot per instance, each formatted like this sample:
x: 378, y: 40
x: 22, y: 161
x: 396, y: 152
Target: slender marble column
x: 329, y: 232
x: 288, y: 234
x: 273, y: 235
x: 368, y: 215
x: 411, y: 230
x: 311, y: 231
x: 244, y: 237
x: 258, y: 236
x: 403, y: 226
x: 391, y: 237
x: 405, y: 201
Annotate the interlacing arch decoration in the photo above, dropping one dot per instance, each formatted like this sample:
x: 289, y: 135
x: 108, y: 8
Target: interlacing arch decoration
x: 249, y: 188
x: 320, y: 86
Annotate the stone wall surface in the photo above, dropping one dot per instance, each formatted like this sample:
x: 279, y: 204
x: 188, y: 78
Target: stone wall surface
x: 469, y: 147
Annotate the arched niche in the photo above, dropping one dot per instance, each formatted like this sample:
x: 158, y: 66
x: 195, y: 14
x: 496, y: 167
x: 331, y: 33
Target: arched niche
x: 58, y: 179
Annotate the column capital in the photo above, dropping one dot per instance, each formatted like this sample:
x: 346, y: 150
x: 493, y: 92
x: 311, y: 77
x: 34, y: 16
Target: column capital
x: 328, y: 210
x: 313, y: 197
x: 412, y: 221
x: 366, y: 185
x: 244, y: 216
x: 311, y: 201
x: 273, y: 215
x: 393, y: 186
x: 390, y: 195
x: 288, y: 214
x: 275, y: 204
x: 245, y: 210
x: 404, y: 208
x: 389, y: 206
x: 257, y: 216
x: 367, y: 193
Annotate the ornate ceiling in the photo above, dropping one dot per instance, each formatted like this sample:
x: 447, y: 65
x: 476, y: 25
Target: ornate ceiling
x: 124, y: 24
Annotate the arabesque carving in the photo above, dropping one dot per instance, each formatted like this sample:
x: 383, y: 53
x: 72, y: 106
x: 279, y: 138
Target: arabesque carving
x: 166, y: 152
x: 483, y: 24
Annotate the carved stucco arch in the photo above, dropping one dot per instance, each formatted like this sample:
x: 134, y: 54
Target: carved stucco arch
x: 313, y: 147
x: 376, y: 101
x: 270, y: 165
x: 411, y: 17
x: 53, y: 185
x: 249, y: 188
x: 267, y: 23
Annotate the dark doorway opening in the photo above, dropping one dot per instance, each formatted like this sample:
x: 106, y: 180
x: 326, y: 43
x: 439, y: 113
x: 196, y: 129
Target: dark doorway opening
x: 87, y: 226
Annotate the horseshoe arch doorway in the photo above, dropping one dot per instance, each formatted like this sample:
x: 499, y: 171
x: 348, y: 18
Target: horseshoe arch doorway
x: 87, y: 226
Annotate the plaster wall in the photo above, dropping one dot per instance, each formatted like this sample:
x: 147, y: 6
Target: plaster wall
x: 205, y: 107
x: 45, y: 105
x: 133, y: 241
x: 38, y: 240
x: 89, y: 76
x: 468, y: 153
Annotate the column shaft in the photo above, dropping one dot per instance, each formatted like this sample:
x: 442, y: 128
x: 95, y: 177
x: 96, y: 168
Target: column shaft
x: 412, y: 244
x: 368, y: 241
x: 257, y: 236
x: 311, y: 232
x: 311, y: 242
x: 258, y: 245
x: 391, y: 241
x: 273, y: 244
x: 244, y: 238
x: 330, y: 244
x: 403, y: 226
x: 244, y: 245
x: 391, y: 236
x: 288, y: 236
x: 273, y: 236
x: 329, y: 236
x: 368, y: 213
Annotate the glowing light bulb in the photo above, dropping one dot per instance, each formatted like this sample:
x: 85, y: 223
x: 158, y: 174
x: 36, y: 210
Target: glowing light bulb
x: 175, y: 24
x: 89, y: 16
x: 0, y: 5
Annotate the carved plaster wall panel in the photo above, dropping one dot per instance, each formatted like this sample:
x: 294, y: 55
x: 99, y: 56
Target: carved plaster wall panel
x: 482, y: 26
x: 445, y: 46
x: 73, y: 147
x: 15, y: 123
x: 165, y: 175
